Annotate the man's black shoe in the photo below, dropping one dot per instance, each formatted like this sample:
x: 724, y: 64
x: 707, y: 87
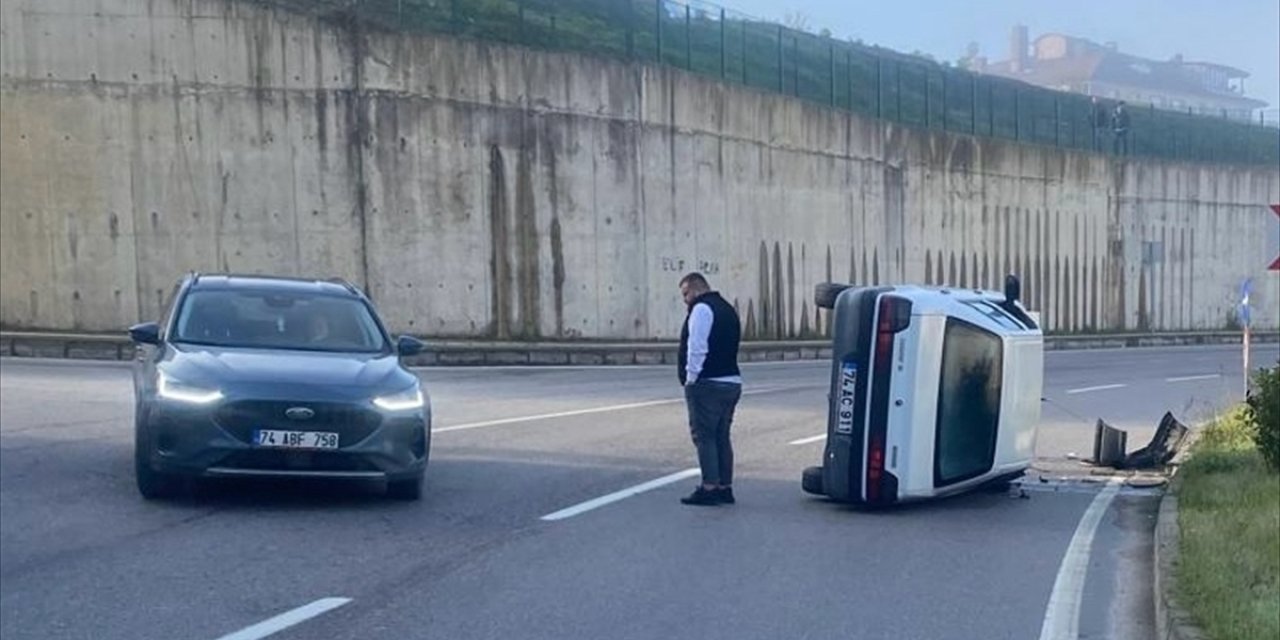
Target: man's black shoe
x: 702, y: 497
x: 725, y: 494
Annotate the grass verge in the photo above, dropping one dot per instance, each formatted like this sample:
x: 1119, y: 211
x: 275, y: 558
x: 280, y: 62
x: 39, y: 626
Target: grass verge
x: 1228, y: 571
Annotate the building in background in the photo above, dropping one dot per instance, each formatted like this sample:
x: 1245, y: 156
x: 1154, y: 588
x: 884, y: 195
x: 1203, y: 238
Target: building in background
x: 1067, y: 63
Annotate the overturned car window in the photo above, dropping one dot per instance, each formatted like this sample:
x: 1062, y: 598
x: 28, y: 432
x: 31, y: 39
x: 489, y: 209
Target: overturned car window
x: 968, y: 403
x: 274, y: 321
x: 997, y: 315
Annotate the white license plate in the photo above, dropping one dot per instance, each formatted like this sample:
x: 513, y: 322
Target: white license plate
x: 295, y: 439
x: 848, y: 386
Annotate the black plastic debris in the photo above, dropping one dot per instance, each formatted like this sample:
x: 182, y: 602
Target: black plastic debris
x: 1164, y: 445
x: 1109, y: 445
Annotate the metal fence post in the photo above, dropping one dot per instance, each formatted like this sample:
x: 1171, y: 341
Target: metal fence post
x: 722, y: 42
x: 945, y: 110
x: 520, y: 31
x: 898, y: 94
x: 848, y: 81
x: 1017, y: 116
x: 744, y: 52
x: 631, y: 24
x: 879, y: 87
x: 1093, y: 125
x: 1197, y: 147
x: 658, y: 6
x: 795, y: 66
x: 1071, y: 127
x: 454, y: 24
x: 688, y: 37
x: 927, y: 106
x: 831, y: 57
x: 1057, y: 122
x: 973, y: 103
x: 781, y: 84
x: 991, y: 108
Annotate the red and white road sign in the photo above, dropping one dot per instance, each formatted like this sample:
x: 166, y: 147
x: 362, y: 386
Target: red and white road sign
x: 1275, y: 266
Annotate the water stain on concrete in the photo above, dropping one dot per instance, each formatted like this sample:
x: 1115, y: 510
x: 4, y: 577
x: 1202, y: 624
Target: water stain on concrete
x: 499, y: 238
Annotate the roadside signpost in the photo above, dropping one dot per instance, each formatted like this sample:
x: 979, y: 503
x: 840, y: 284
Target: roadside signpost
x: 1246, y: 288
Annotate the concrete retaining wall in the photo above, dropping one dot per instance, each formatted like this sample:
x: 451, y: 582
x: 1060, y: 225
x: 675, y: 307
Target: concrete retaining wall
x: 485, y: 191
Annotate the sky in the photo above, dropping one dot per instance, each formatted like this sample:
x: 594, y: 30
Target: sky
x: 1240, y: 33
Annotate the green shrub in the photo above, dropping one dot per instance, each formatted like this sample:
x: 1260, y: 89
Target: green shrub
x: 1264, y: 412
x: 1233, y: 431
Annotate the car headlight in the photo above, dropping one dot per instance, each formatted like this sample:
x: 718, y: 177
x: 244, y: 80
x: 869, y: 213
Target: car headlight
x: 183, y: 392
x: 410, y: 398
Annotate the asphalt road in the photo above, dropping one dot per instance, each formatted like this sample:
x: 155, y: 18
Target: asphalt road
x: 83, y: 556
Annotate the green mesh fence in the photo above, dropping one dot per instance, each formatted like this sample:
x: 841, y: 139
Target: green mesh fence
x: 708, y: 39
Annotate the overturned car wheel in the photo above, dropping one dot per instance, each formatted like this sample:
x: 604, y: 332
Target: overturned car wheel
x: 825, y: 294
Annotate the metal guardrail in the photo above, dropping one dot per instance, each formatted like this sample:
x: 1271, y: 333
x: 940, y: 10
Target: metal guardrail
x: 454, y: 352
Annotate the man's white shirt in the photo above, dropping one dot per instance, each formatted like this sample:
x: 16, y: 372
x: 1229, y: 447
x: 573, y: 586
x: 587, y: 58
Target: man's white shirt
x: 700, y: 320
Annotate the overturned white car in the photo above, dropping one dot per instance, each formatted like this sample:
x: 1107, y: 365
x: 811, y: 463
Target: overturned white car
x: 933, y: 392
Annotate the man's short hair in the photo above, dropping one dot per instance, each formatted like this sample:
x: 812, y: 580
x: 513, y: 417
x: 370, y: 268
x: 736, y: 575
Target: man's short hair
x: 696, y: 280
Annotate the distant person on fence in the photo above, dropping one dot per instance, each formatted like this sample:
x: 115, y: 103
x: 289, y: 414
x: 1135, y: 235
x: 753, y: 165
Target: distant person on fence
x: 708, y: 369
x: 1120, y: 127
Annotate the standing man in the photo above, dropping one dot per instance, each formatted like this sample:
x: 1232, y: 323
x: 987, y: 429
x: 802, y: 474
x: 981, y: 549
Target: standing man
x: 1120, y: 126
x: 708, y: 369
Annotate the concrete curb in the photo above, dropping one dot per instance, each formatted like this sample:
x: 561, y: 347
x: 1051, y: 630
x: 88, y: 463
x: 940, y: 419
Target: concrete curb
x: 1172, y: 621
x: 481, y: 353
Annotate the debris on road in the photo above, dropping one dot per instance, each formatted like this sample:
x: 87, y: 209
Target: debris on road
x: 1109, y: 445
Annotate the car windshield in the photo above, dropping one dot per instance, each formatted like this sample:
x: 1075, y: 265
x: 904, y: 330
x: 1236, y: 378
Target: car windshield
x: 968, y: 403
x: 274, y: 320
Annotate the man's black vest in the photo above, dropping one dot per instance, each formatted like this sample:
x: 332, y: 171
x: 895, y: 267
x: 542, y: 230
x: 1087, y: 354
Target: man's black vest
x: 722, y: 344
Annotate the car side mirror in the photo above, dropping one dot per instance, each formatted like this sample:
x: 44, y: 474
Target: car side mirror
x: 409, y: 345
x: 145, y: 333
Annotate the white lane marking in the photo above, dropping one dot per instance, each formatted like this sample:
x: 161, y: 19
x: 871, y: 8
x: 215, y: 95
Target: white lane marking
x: 816, y: 438
x: 548, y: 416
x: 1103, y: 387
x: 616, y: 407
x: 1062, y: 616
x: 596, y: 503
x: 287, y: 619
x: 1210, y: 376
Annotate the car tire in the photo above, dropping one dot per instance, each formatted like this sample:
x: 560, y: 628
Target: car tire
x: 825, y: 294
x: 152, y: 484
x: 811, y: 481
x: 408, y: 490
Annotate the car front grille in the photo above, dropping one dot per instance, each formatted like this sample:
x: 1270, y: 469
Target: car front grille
x: 352, y: 423
x: 278, y: 460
